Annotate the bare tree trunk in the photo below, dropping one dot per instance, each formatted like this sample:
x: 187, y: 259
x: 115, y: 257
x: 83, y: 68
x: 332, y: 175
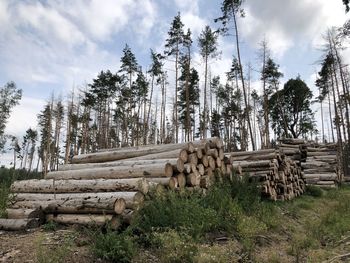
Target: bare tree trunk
x: 242, y: 80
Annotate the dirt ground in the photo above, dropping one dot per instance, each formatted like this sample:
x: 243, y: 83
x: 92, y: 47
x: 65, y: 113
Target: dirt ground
x: 39, y: 245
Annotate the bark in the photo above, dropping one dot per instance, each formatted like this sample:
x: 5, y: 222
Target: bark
x: 120, y: 172
x: 80, y: 186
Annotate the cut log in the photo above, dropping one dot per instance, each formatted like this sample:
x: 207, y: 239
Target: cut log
x: 205, y: 160
x: 126, y: 162
x: 193, y: 179
x: 181, y: 179
x: 182, y: 154
x: 80, y: 186
x: 173, y: 146
x: 212, y: 162
x: 322, y: 177
x: 125, y: 153
x: 200, y: 168
x: 90, y: 220
x: 79, y: 202
x: 18, y: 224
x: 154, y: 170
x: 24, y: 213
x: 192, y: 158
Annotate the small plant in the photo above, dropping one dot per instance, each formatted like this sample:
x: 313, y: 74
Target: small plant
x: 50, y: 226
x: 113, y: 246
x: 174, y: 247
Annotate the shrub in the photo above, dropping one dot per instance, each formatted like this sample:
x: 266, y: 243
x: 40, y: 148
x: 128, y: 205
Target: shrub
x: 176, y: 211
x: 113, y: 246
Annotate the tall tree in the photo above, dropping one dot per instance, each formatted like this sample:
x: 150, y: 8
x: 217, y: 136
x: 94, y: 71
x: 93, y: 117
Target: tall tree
x: 156, y: 71
x: 230, y: 10
x: 172, y: 46
x: 130, y: 67
x: 208, y: 44
x: 270, y: 76
x: 290, y: 110
x: 10, y: 96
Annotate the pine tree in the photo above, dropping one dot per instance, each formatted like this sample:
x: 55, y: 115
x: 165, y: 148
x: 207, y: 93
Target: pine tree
x: 230, y: 10
x: 173, y: 45
x: 207, y: 42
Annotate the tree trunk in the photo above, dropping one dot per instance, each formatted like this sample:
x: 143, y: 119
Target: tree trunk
x: 119, y: 172
x: 80, y: 186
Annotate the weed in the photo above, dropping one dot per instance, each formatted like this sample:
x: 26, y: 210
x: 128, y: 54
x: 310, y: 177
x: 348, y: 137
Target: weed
x: 175, y: 247
x: 113, y: 246
x: 52, y: 254
x: 50, y: 226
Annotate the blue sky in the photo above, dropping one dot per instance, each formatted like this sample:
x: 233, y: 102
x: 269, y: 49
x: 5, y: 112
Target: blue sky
x: 50, y: 46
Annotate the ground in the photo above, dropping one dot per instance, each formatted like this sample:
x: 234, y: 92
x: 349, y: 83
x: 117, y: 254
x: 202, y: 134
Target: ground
x: 308, y: 229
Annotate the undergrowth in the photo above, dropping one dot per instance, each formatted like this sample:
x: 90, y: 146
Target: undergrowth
x: 177, y: 222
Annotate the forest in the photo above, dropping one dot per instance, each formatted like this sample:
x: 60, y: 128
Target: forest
x: 134, y: 106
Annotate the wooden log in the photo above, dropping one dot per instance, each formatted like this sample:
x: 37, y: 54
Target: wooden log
x: 171, y: 146
x: 87, y: 220
x: 173, y: 183
x: 181, y: 154
x: 201, y: 169
x: 322, y: 177
x: 213, y: 153
x: 262, y: 163
x: 22, y: 213
x: 193, y: 179
x: 218, y: 162
x: 82, y: 202
x: 192, y: 158
x: 80, y: 186
x: 322, y: 153
x: 189, y: 167
x: 199, y: 153
x: 212, y: 162
x: 18, y: 224
x: 253, y: 157
x: 205, y: 160
x: 154, y: 170
x: 181, y: 179
x: 205, y: 182
x: 221, y: 153
x: 125, y: 153
x: 127, y: 162
x: 246, y: 153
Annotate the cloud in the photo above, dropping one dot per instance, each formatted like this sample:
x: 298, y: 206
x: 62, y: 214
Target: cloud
x: 24, y: 116
x: 288, y: 23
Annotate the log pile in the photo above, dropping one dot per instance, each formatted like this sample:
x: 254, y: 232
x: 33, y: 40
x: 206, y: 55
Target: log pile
x: 318, y: 161
x: 107, y: 186
x: 279, y: 176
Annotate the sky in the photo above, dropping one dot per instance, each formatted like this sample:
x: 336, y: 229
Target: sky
x: 49, y: 47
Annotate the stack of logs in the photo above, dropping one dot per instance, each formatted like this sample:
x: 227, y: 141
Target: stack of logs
x: 279, y: 176
x: 108, y: 186
x: 318, y: 161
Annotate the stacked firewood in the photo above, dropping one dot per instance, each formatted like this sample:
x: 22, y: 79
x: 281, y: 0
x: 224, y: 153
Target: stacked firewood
x: 295, y: 149
x: 320, y: 168
x: 318, y: 161
x: 110, y: 185
x: 279, y: 176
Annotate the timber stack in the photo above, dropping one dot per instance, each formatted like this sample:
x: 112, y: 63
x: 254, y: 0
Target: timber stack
x: 108, y: 186
x: 318, y: 161
x: 280, y: 177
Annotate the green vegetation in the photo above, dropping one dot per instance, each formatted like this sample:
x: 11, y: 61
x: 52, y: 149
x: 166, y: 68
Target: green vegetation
x: 7, y: 176
x: 187, y: 226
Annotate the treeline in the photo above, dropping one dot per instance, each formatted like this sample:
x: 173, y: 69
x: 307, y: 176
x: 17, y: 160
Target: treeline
x: 134, y: 106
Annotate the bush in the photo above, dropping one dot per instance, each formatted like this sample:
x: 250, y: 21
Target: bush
x: 176, y: 211
x: 113, y: 246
